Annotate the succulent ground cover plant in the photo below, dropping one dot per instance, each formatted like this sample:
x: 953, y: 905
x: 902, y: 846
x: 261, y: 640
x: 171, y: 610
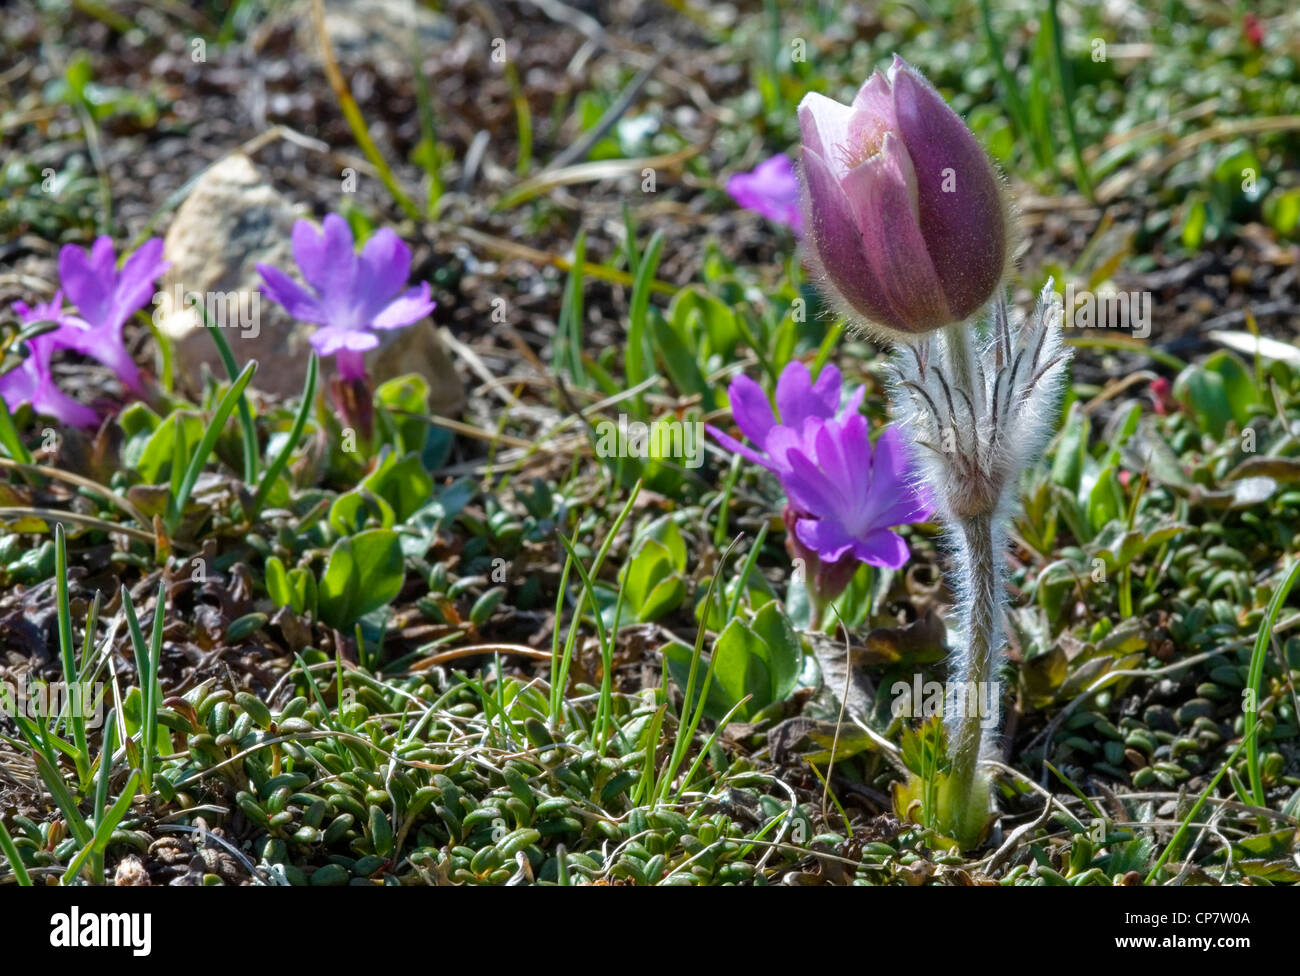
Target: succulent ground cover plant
x: 713, y: 480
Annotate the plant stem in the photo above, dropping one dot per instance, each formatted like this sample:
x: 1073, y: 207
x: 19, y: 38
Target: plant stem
x: 983, y: 602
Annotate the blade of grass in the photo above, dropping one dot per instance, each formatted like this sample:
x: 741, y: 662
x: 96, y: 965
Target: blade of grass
x: 1010, y: 93
x: 745, y: 570
x: 1255, y: 677
x: 356, y: 121
x: 277, y: 466
x: 686, y: 729
x: 58, y: 789
x: 176, y: 504
x: 11, y: 855
x: 146, y: 665
x: 1065, y: 82
x: 104, y: 829
x: 101, y: 786
x: 248, y: 431
x: 1196, y: 808
x: 562, y: 678
x: 76, y: 720
x: 9, y: 438
x: 635, y: 366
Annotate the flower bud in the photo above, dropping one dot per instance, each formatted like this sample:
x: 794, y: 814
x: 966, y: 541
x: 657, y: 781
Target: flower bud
x: 903, y: 211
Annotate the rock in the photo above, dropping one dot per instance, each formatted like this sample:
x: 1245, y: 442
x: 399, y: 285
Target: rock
x: 232, y: 221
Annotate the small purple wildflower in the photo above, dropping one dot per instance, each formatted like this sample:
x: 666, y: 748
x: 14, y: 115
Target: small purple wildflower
x: 352, y: 294
x: 844, y: 494
x: 771, y: 189
x: 105, y: 298
x: 31, y: 381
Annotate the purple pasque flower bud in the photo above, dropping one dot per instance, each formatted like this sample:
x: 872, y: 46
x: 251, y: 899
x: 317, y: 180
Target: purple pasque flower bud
x: 903, y: 212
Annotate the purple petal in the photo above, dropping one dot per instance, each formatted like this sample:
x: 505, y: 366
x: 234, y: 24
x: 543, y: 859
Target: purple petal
x: 882, y: 548
x: 385, y: 266
x: 827, y: 538
x: 135, y: 285
x: 809, y: 488
x: 823, y: 125
x: 105, y: 344
x: 836, y: 246
x: 408, y: 308
x: 331, y: 339
x: 751, y: 409
x: 826, y: 391
x: 771, y: 189
x: 340, y: 270
x: 882, y: 192
x: 88, y: 286
x: 731, y: 444
x: 794, y: 394
x: 326, y: 257
x: 297, y: 301
x: 964, y: 228
x: 53, y: 402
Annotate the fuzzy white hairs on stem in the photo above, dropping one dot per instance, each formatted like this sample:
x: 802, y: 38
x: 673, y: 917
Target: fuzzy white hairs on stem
x: 978, y: 412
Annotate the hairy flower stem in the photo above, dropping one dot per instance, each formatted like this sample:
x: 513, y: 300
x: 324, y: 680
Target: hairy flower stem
x: 978, y: 411
x: 981, y: 582
x: 983, y: 602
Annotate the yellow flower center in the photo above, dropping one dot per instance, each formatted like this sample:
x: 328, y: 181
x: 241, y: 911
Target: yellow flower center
x: 864, y: 142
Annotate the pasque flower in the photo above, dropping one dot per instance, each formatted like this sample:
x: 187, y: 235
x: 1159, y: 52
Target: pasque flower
x: 31, y: 381
x: 105, y: 298
x: 904, y: 214
x: 844, y: 494
x: 351, y: 294
x: 770, y: 189
x: 906, y: 222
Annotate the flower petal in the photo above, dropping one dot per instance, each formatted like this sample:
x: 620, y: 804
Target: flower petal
x: 825, y: 537
x: 331, y: 339
x: 882, y: 192
x: 751, y: 409
x: 961, y: 213
x: 135, y: 285
x: 295, y: 299
x: 731, y: 444
x: 882, y: 548
x: 836, y: 246
x: 88, y: 286
x: 405, y: 309
x: 771, y: 189
x: 385, y: 266
x: 823, y: 125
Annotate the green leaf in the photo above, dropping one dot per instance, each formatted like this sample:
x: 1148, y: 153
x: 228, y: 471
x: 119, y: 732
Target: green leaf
x: 352, y: 511
x: 1067, y: 467
x: 407, y: 394
x: 364, y: 572
x: 159, y: 458
x: 404, y: 484
x: 650, y: 587
x: 761, y: 658
x: 1105, y: 501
